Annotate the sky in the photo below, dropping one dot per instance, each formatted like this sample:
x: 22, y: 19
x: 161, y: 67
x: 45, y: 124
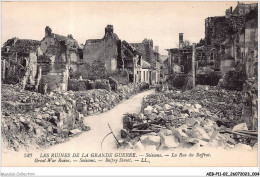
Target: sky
x: 132, y: 21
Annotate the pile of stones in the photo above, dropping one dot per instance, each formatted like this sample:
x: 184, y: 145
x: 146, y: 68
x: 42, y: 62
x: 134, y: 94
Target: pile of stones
x: 190, y: 119
x: 30, y: 119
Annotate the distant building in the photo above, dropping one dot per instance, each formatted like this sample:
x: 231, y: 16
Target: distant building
x: 179, y: 59
x: 150, y: 55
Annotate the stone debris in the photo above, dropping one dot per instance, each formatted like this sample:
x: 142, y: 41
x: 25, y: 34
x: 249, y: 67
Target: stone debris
x: 203, y: 117
x: 241, y: 126
x: 74, y: 132
x: 30, y: 118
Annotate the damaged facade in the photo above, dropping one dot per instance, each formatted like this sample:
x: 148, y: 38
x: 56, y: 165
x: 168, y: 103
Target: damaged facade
x: 19, y: 61
x: 227, y: 37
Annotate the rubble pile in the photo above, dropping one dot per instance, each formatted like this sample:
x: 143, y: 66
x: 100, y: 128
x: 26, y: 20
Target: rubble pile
x: 94, y: 101
x: 30, y: 118
x: 191, y: 119
x: 125, y: 91
x: 224, y: 105
x: 100, y: 100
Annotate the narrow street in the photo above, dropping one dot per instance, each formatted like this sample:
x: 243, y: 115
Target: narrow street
x: 90, y: 141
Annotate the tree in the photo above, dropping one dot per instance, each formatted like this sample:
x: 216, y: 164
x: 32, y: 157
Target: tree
x: 201, y: 43
x: 186, y: 43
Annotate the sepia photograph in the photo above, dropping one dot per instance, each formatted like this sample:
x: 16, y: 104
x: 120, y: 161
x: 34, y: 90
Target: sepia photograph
x: 129, y: 84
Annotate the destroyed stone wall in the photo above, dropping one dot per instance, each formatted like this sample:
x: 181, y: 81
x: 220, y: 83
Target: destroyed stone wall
x: 226, y: 65
x: 78, y: 85
x: 251, y: 47
x: 250, y: 96
x: 100, y: 50
x: 32, y: 67
x: 121, y: 76
x: 54, y: 81
x: 218, y: 29
x: 243, y: 9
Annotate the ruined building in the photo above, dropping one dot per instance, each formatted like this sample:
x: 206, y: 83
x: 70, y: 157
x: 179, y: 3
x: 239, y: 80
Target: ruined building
x: 179, y: 59
x: 233, y: 41
x: 110, y: 57
x: 246, y: 44
x: 102, y: 57
x: 42, y: 66
x: 222, y: 35
x: 57, y: 57
x: 19, y: 59
x: 57, y: 61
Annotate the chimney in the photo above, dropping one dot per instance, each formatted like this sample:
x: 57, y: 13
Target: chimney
x: 180, y: 40
x: 231, y: 10
x: 109, y: 29
x: 48, y: 31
